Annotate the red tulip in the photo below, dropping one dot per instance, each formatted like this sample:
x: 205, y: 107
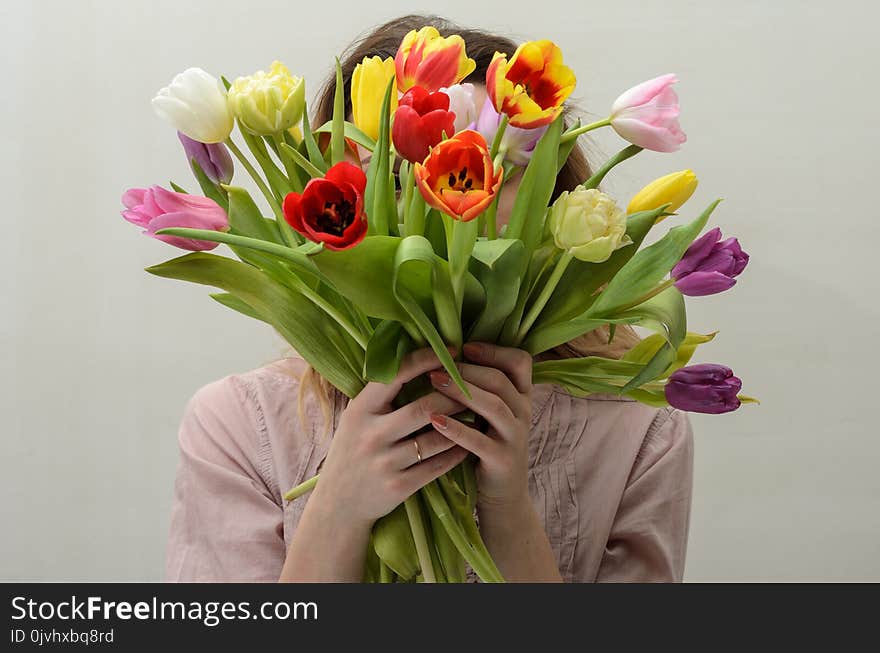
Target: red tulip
x: 330, y: 209
x: 419, y: 123
x: 458, y: 176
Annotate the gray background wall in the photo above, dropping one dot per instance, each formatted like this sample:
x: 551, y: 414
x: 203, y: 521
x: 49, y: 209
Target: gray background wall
x: 780, y: 103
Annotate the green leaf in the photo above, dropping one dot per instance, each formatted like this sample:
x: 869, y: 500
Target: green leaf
x: 381, y: 207
x: 352, y: 133
x: 648, y: 347
x: 307, y: 166
x: 178, y: 189
x: 301, y: 263
x: 665, y: 314
x: 527, y: 216
x: 231, y: 301
x: 385, y: 351
x: 394, y: 544
x: 566, y: 148
x: 644, y: 270
x: 337, y: 134
x: 626, y: 153
x: 416, y: 271
x: 497, y: 265
x: 245, y: 218
x: 299, y: 321
x: 314, y: 152
x: 209, y: 188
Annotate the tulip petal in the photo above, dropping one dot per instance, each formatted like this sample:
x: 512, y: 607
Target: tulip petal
x: 696, y: 252
x: 642, y: 93
x: 698, y: 284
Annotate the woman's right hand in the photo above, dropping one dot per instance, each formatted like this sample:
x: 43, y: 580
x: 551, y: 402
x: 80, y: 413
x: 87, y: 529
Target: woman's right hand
x: 372, y: 464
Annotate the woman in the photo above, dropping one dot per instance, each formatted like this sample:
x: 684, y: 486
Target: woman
x: 570, y: 489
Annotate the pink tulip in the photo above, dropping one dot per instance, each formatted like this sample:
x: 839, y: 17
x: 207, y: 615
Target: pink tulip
x: 647, y: 115
x: 156, y: 208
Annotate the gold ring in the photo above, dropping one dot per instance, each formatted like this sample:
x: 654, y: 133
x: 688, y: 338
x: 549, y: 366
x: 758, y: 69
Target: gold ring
x: 418, y: 451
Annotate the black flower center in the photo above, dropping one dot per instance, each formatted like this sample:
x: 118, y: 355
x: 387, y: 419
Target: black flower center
x: 336, y: 217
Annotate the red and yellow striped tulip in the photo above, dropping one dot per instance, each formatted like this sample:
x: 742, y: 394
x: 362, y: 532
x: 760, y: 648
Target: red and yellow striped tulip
x: 431, y: 61
x: 532, y: 86
x: 458, y: 177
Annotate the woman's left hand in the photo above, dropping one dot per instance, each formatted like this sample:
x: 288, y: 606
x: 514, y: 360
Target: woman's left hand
x: 500, y: 383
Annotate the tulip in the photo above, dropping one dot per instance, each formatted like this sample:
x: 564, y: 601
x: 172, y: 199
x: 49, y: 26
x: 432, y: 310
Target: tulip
x: 704, y: 388
x: 674, y: 189
x: 156, y: 208
x: 213, y: 158
x: 463, y: 105
x: 588, y: 223
x: 431, y: 61
x: 458, y: 177
x: 420, y: 121
x: 195, y: 104
x: 516, y: 143
x: 268, y: 103
x: 532, y: 87
x: 709, y: 266
x: 368, y: 83
x: 330, y: 209
x: 647, y: 115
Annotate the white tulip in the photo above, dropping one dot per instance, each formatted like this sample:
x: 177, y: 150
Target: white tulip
x: 195, y: 104
x: 462, y: 104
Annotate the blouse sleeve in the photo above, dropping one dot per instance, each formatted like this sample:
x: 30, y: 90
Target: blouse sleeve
x: 226, y: 525
x: 648, y: 539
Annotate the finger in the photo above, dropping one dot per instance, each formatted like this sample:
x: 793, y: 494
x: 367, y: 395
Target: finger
x: 413, y: 364
x: 411, y: 417
x: 417, y: 476
x: 405, y: 454
x: 516, y: 363
x: 489, y: 405
x: 497, y: 382
x: 480, y: 444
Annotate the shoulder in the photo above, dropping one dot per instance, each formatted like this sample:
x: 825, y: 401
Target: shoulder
x: 242, y: 411
x: 615, y: 422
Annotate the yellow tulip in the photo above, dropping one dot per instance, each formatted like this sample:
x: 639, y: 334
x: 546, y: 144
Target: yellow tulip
x: 368, y: 84
x: 268, y: 103
x: 674, y: 188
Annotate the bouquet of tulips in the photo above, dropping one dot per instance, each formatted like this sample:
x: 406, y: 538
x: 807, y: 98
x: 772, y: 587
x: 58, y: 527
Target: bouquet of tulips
x: 354, y: 273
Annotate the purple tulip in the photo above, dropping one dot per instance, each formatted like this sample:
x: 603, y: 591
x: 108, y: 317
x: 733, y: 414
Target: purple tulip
x: 709, y: 266
x: 706, y: 388
x: 156, y: 208
x: 519, y: 143
x: 213, y: 158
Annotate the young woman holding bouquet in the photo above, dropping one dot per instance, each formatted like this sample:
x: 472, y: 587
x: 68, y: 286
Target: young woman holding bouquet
x: 570, y: 489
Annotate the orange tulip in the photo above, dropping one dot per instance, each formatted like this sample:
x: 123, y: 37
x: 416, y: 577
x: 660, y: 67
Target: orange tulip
x: 431, y: 61
x: 458, y: 177
x: 530, y: 88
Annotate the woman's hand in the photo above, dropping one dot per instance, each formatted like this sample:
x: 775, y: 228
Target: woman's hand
x: 372, y: 464
x: 501, y: 387
x: 371, y: 467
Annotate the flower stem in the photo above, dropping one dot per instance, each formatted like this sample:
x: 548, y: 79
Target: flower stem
x: 496, y: 142
x: 416, y: 523
x: 583, y: 129
x: 544, y: 297
x: 624, y: 154
x: 301, y: 489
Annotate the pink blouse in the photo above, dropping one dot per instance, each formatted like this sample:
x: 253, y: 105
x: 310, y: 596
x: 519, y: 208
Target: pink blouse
x: 610, y: 477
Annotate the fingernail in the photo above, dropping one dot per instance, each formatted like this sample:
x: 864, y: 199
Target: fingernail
x: 472, y: 350
x: 439, y: 421
x: 439, y: 378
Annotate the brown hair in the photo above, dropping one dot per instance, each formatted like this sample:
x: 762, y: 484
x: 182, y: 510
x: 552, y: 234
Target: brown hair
x: 383, y: 41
